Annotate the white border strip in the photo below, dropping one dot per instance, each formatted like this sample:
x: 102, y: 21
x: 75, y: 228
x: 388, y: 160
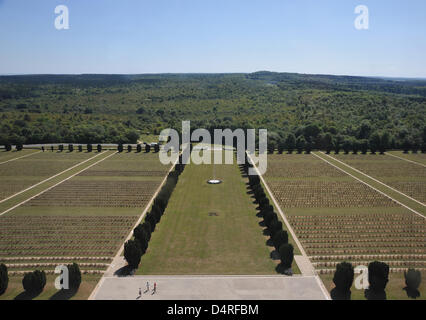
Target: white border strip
x: 412, y: 210
x: 37, y: 184
x: 27, y: 155
x: 415, y: 162
x: 71, y: 176
x: 403, y: 194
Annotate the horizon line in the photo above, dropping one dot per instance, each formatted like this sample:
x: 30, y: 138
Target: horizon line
x: 212, y: 73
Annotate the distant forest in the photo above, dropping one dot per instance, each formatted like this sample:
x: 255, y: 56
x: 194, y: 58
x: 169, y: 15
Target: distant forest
x: 318, y: 111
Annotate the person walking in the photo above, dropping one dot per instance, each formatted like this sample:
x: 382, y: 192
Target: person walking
x: 147, y: 286
x: 155, y: 288
x: 140, y: 292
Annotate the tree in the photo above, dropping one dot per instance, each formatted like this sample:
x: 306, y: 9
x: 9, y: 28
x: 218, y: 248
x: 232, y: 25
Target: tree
x: 275, y: 226
x: 363, y: 145
x: 280, y: 238
x: 343, y: 279
x: 378, y: 277
x: 281, y: 146
x: 129, y: 148
x: 413, y: 278
x: 286, y: 255
x: 290, y: 143
x: 271, y: 147
x: 74, y: 274
x: 34, y: 282
x: 268, y: 217
x: 347, y: 145
x: 151, y: 220
x: 138, y: 148
x: 120, y: 147
x: 132, y: 253
x: 384, y: 142
x: 99, y: 148
x: 355, y: 146
x: 300, y: 144
x: 147, y: 227
x: 327, y: 142
x: 70, y: 148
x: 89, y: 148
x: 406, y: 145
x: 4, y: 278
x: 374, y: 142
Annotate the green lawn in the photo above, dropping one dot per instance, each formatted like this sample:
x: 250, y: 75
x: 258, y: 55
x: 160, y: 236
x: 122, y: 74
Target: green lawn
x: 209, y: 229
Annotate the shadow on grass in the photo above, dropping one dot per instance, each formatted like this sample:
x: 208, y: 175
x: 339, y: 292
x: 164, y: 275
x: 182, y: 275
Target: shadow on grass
x: 282, y: 270
x: 27, y: 295
x: 412, y: 293
x: 269, y: 242
x: 64, y: 294
x: 125, y: 271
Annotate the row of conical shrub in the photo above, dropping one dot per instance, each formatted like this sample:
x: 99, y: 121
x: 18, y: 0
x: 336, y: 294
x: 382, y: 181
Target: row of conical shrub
x: 378, y: 277
x: 34, y: 282
x: 278, y: 235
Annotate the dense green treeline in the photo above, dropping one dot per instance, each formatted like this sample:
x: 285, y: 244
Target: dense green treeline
x: 119, y: 108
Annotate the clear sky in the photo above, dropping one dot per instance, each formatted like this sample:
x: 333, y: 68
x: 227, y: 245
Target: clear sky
x: 158, y: 36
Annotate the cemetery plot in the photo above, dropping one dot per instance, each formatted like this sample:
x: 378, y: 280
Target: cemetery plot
x: 406, y: 177
x: 98, y: 194
x: 337, y: 218
x: 11, y: 155
x: 84, y: 219
x: 416, y: 157
x: 45, y: 241
x: 23, y: 173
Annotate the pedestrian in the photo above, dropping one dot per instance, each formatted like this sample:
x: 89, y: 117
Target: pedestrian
x: 155, y: 288
x: 147, y: 286
x: 140, y: 292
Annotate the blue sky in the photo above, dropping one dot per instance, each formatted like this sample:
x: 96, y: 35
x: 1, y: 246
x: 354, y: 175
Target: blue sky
x: 157, y: 36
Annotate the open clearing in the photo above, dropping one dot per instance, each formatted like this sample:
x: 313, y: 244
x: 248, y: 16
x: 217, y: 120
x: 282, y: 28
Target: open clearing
x: 209, y: 229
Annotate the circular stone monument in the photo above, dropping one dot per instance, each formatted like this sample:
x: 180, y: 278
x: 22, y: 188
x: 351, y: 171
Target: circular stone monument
x: 214, y: 181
